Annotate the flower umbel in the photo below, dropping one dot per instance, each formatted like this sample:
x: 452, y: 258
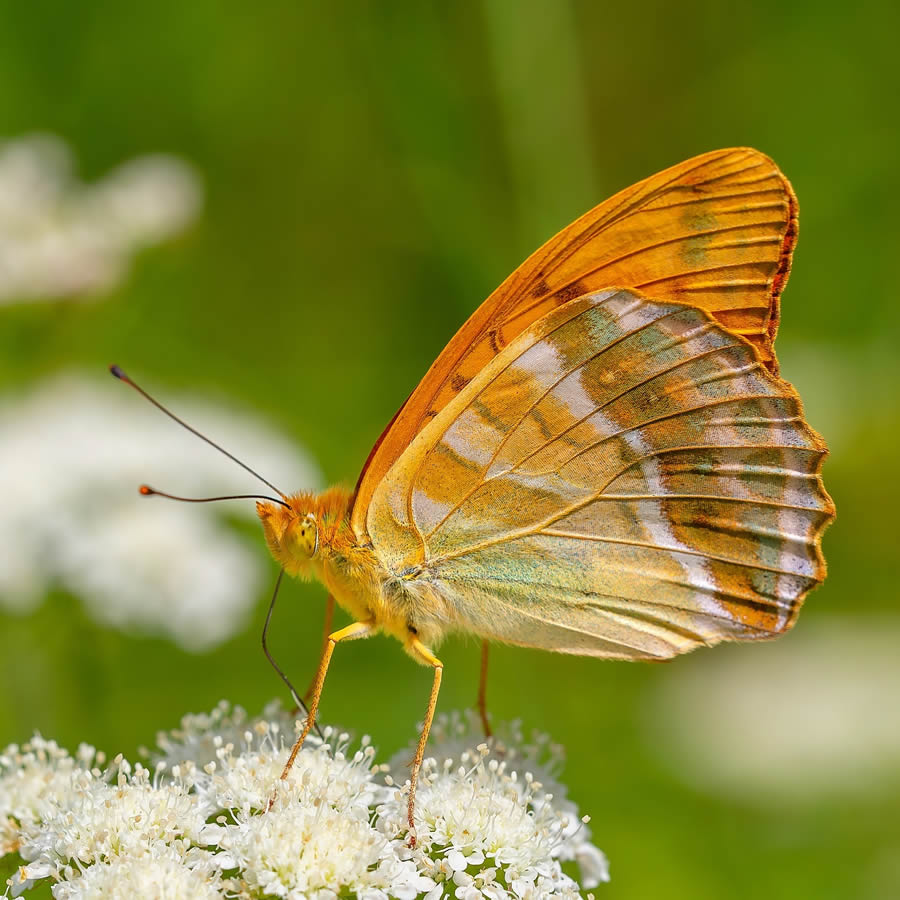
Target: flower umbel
x: 494, y: 813
x: 192, y: 824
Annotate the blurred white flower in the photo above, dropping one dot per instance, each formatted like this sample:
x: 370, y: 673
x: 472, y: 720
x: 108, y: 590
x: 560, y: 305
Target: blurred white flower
x: 59, y: 237
x: 72, y: 453
x: 197, y: 827
x: 807, y: 717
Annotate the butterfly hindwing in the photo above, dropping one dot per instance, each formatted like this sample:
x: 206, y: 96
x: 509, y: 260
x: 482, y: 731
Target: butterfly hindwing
x: 626, y: 478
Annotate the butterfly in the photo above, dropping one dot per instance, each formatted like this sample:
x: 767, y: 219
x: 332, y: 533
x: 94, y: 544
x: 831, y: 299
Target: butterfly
x: 603, y: 460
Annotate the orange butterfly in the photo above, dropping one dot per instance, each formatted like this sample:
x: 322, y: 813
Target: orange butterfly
x: 603, y: 460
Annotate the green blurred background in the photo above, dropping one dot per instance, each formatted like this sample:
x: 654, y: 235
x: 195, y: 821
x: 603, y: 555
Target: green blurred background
x: 373, y: 171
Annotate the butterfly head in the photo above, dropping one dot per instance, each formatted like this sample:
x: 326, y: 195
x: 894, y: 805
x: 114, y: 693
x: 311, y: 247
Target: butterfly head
x: 292, y: 533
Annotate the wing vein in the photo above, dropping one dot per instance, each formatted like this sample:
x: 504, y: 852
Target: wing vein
x: 649, y: 545
x: 585, y: 501
x: 751, y: 602
x: 524, y: 310
x: 751, y: 500
x: 656, y: 419
x: 556, y: 383
x: 625, y: 211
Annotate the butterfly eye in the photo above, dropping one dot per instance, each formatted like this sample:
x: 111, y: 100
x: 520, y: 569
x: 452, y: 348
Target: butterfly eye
x: 306, y: 536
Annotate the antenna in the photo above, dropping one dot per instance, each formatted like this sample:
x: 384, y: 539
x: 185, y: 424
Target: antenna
x: 120, y: 374
x: 148, y: 491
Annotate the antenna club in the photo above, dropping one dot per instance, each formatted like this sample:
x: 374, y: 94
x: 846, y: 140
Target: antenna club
x: 145, y: 490
x: 118, y: 372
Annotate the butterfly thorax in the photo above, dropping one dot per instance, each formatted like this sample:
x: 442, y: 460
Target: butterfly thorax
x: 313, y: 538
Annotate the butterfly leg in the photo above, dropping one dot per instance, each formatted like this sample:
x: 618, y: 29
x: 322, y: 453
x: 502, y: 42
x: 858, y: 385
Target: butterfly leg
x: 351, y: 633
x: 326, y: 631
x: 482, y: 690
x: 423, y: 655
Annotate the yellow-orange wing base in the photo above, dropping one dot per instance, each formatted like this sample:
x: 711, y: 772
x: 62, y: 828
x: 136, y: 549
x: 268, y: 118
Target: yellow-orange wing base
x: 716, y: 231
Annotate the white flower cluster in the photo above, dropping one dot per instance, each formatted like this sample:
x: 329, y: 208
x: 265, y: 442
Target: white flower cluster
x: 514, y: 775
x: 194, y: 825
x: 72, y: 454
x: 59, y: 237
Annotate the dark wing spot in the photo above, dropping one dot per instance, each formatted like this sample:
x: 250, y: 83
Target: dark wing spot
x: 541, y: 289
x: 458, y: 382
x: 569, y: 292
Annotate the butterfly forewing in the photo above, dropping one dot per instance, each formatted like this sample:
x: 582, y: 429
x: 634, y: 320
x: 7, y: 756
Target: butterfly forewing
x: 626, y: 478
x: 716, y: 232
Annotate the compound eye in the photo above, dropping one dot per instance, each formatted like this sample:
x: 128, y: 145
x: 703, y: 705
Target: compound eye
x: 308, y: 535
